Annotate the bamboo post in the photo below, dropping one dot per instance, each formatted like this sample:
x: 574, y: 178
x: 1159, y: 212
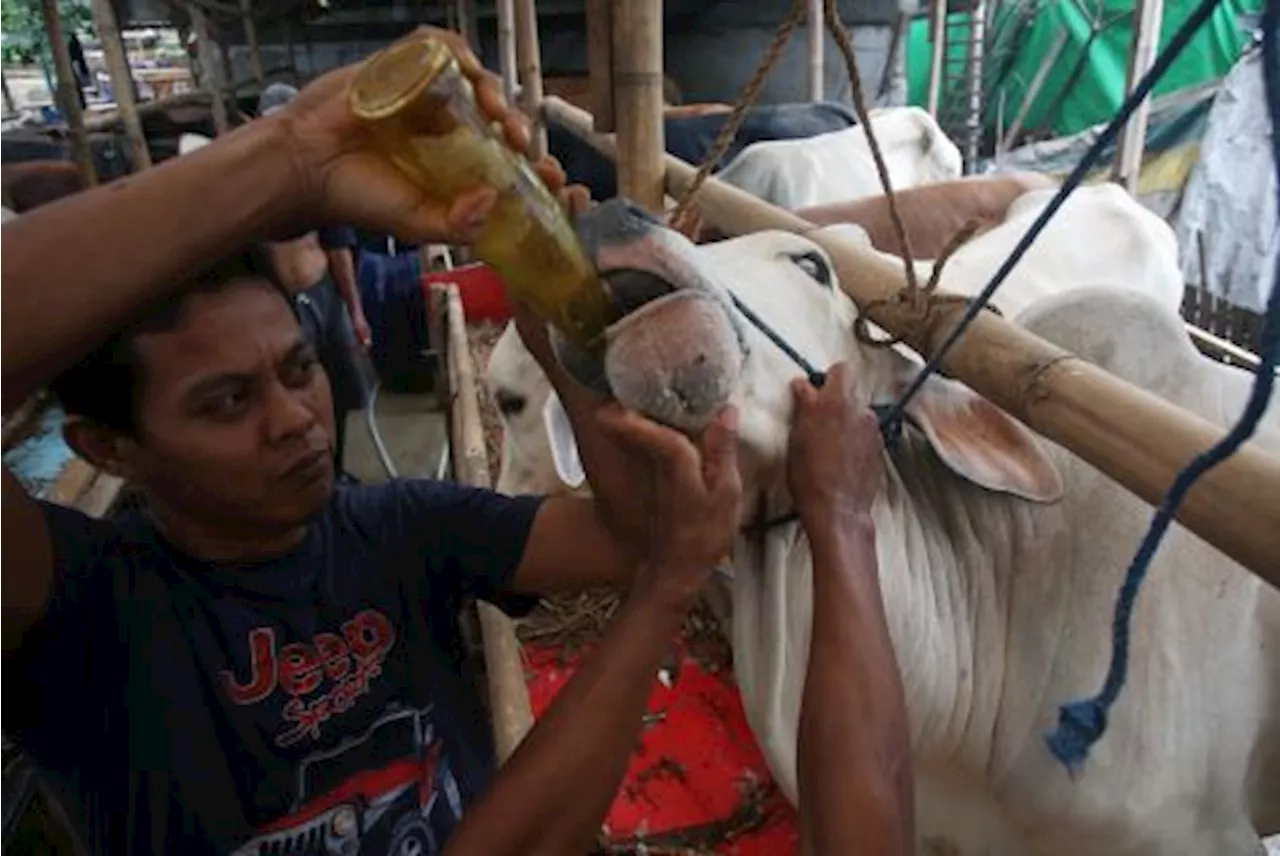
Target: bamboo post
x: 817, y: 36
x: 467, y: 24
x: 637, y: 81
x: 1033, y: 92
x: 974, y: 89
x: 1134, y: 437
x: 508, y: 693
x: 211, y: 72
x: 251, y: 41
x: 507, y: 64
x: 600, y: 62
x: 104, y: 21
x: 937, y: 54
x: 1133, y: 138
x: 529, y: 57
x: 65, y: 93
x: 9, y: 106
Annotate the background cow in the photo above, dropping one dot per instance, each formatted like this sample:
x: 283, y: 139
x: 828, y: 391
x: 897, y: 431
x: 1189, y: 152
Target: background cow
x: 1000, y: 555
x: 691, y: 132
x: 837, y: 166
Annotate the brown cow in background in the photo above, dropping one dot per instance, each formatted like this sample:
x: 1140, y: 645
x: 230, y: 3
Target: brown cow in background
x: 29, y: 185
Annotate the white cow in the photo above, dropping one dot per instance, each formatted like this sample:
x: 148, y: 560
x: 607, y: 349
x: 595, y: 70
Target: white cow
x: 837, y: 166
x: 1000, y: 555
x: 1100, y: 235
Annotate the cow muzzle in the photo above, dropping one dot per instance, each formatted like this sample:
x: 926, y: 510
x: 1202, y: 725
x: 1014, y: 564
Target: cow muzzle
x: 676, y: 353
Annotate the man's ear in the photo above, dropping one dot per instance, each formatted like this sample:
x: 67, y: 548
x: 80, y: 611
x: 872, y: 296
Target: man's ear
x: 106, y: 449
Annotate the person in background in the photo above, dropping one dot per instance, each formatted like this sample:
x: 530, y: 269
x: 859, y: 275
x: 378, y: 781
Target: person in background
x: 319, y: 271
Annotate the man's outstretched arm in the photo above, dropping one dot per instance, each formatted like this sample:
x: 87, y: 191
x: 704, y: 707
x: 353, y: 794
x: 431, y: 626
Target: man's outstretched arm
x: 856, y: 793
x: 79, y: 269
x: 553, y: 793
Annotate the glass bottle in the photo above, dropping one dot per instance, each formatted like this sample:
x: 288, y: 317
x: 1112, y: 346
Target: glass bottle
x: 421, y: 112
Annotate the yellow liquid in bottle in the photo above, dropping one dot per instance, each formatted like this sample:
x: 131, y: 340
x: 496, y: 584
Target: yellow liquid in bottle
x: 435, y: 137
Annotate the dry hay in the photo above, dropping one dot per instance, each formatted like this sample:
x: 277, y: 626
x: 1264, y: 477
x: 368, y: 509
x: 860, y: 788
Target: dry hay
x: 571, y: 621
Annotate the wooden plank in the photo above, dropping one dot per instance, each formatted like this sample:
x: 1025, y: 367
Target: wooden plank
x: 1133, y: 137
x: 251, y: 40
x: 529, y: 57
x: 937, y: 53
x: 212, y: 74
x: 637, y: 96
x: 816, y: 32
x: 104, y: 21
x: 600, y: 63
x: 507, y: 63
x: 508, y: 694
x: 1136, y: 438
x: 66, y: 93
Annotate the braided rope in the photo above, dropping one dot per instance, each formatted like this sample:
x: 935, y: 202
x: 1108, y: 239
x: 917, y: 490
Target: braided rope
x: 845, y: 43
x: 745, y: 101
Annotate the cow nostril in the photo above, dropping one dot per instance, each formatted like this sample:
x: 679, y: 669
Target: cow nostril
x: 509, y: 403
x: 630, y: 289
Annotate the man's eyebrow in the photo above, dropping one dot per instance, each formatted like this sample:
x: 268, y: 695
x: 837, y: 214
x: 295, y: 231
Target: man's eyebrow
x: 217, y: 383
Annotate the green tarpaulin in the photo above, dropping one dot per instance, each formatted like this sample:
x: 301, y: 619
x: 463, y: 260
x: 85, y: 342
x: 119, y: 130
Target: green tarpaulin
x: 1023, y: 35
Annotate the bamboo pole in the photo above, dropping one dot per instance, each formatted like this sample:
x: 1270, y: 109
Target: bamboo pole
x: 211, y: 72
x: 1133, y: 138
x: 104, y: 21
x: 529, y: 57
x: 817, y: 37
x: 637, y: 95
x: 507, y: 64
x: 251, y: 41
x: 66, y: 95
x: 9, y: 106
x: 937, y: 54
x: 1134, y: 437
x: 1033, y: 92
x: 508, y: 693
x: 467, y: 24
x: 600, y: 63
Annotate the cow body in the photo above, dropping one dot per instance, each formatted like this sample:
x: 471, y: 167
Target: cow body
x: 690, y: 134
x: 999, y: 582
x: 838, y: 167
x: 933, y: 214
x: 29, y: 185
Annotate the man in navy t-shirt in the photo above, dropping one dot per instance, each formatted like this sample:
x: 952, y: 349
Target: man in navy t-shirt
x: 256, y: 661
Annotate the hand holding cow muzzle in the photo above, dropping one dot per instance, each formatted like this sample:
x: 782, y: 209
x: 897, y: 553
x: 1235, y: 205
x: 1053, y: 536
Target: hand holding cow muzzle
x: 695, y: 503
x: 835, y: 464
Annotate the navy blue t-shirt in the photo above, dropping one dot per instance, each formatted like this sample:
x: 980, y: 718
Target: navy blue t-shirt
x: 314, y: 702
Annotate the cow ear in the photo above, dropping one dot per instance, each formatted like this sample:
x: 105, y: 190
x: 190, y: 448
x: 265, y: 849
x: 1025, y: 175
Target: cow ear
x: 564, y: 446
x: 981, y: 443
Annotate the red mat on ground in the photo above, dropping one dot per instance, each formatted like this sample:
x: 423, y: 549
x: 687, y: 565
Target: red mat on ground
x: 697, y: 778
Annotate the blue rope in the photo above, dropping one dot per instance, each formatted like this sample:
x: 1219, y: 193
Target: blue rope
x: 891, y: 422
x: 1081, y: 723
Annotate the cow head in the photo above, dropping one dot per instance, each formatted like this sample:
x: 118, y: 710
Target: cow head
x: 682, y: 351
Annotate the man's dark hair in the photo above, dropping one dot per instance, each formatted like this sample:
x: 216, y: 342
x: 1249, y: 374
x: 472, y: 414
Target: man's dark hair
x: 105, y: 386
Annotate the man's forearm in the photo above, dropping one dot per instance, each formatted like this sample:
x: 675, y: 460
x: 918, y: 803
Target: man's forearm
x: 854, y: 748
x: 80, y: 268
x: 553, y: 793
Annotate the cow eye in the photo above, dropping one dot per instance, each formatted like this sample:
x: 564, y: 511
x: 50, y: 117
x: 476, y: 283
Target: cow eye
x: 509, y: 403
x: 815, y: 265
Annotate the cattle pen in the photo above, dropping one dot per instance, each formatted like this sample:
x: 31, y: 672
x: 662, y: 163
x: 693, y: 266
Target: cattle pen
x: 1133, y: 437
